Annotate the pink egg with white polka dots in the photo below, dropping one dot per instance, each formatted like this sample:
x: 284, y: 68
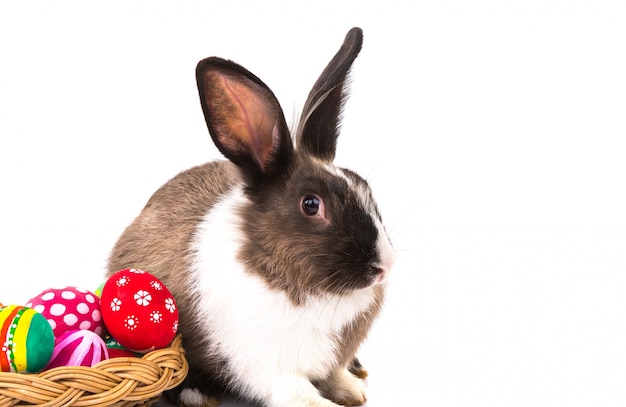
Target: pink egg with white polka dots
x: 69, y: 308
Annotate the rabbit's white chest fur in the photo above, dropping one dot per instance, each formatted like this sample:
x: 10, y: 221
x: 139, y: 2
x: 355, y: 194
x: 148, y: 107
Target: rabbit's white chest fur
x: 253, y: 326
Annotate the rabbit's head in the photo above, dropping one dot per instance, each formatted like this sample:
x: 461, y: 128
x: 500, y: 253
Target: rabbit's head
x: 311, y: 227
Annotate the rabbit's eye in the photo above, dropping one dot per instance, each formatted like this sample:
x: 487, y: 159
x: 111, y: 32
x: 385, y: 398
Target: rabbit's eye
x: 311, y: 205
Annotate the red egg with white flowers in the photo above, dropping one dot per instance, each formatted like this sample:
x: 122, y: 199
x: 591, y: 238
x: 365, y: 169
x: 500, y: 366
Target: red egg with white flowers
x: 138, y: 310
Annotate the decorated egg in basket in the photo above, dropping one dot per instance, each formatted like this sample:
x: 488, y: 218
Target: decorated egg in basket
x: 116, y: 350
x: 139, y: 311
x: 68, y: 309
x: 26, y: 340
x: 78, y: 348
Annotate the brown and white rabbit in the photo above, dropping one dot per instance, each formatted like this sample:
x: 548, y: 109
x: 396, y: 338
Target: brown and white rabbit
x: 277, y: 258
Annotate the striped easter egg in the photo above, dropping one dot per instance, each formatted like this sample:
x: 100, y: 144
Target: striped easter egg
x: 78, y: 348
x: 26, y: 340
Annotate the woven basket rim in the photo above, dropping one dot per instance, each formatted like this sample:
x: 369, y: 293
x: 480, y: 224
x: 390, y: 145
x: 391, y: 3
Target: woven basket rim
x: 121, y: 381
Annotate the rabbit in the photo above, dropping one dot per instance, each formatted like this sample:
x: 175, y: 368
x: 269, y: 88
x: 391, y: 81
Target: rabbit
x: 278, y: 259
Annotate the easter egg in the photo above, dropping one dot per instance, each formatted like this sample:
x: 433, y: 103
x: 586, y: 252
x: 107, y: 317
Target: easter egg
x: 98, y: 290
x: 116, y: 350
x: 138, y: 310
x: 68, y: 309
x: 78, y: 348
x: 26, y: 340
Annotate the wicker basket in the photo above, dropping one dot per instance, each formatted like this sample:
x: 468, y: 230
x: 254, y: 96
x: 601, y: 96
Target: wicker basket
x: 113, y: 382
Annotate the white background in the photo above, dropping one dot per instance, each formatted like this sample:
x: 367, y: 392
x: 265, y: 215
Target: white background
x: 492, y: 133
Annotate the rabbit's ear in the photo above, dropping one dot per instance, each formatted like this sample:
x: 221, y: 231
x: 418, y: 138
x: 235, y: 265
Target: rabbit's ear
x: 244, y: 117
x: 320, y: 121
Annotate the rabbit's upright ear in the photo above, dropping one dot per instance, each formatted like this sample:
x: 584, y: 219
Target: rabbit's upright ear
x: 244, y: 117
x: 319, y: 125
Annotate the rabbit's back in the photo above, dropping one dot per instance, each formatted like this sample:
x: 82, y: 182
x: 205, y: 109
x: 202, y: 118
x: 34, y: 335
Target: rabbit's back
x: 159, y: 240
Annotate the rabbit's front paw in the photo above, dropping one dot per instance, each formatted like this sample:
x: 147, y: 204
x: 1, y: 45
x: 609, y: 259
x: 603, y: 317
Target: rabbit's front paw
x: 344, y: 388
x: 295, y: 391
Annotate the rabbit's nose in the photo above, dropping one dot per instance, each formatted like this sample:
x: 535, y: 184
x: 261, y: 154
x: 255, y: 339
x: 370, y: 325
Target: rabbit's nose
x: 380, y: 275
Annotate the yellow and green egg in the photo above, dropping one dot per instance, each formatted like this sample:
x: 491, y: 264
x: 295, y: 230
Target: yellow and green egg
x: 26, y: 340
